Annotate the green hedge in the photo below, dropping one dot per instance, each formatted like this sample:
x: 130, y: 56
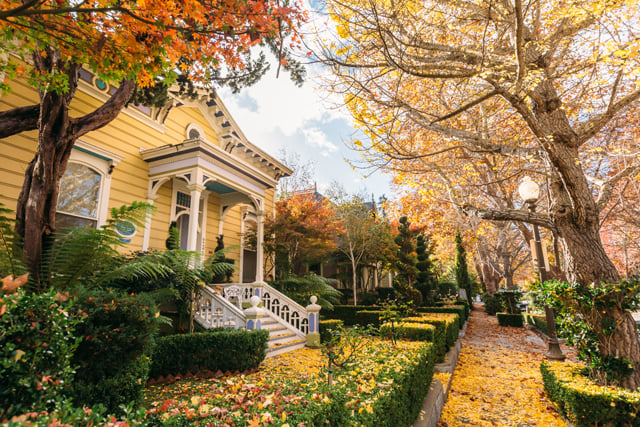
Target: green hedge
x: 411, y: 331
x: 460, y: 310
x: 467, y: 307
x: 447, y: 329
x: 368, y: 317
x: 326, y: 326
x: 539, y: 322
x: 226, y: 350
x: 346, y: 313
x: 506, y: 319
x: 585, y: 403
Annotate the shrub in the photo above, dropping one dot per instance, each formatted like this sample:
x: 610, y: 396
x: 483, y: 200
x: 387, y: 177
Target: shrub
x: 412, y: 331
x: 346, y: 313
x: 225, y: 350
x: 326, y: 326
x: 448, y: 323
x: 116, y: 333
x: 539, y: 322
x: 584, y: 402
x: 368, y: 317
x: 68, y: 415
x: 492, y: 304
x: 467, y: 307
x: 368, y: 298
x: 386, y: 293
x: 508, y: 319
x: 36, y: 346
x: 457, y: 309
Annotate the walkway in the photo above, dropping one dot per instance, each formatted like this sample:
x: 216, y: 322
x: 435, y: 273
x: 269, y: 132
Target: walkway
x: 497, y: 381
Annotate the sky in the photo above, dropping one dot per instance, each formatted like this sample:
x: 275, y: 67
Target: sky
x: 275, y: 114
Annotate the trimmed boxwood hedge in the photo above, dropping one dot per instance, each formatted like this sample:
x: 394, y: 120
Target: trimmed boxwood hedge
x: 368, y: 317
x: 225, y: 350
x: 507, y: 319
x: 446, y: 329
x: 326, y: 326
x: 585, y: 403
x: 412, y: 331
x: 460, y: 310
x: 346, y: 313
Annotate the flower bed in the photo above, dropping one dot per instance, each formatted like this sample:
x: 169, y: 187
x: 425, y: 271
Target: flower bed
x: 385, y: 386
x: 586, y: 403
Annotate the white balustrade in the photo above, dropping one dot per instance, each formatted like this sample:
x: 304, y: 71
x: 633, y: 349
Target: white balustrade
x: 213, y: 311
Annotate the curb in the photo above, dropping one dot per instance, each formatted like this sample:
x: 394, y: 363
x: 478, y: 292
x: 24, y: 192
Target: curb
x: 438, y: 393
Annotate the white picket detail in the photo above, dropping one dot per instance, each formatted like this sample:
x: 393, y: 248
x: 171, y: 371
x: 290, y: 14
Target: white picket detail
x: 293, y: 315
x: 213, y: 310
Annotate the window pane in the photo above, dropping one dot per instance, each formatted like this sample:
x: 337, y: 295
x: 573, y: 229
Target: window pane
x: 79, y: 191
x: 65, y: 221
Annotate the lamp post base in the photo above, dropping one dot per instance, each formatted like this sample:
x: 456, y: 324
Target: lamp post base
x: 554, y: 352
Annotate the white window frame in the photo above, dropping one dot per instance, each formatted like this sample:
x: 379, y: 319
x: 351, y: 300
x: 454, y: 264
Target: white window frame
x: 102, y: 162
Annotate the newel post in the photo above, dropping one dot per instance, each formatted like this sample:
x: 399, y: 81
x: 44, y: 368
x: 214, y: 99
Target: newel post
x: 254, y: 314
x: 313, y: 311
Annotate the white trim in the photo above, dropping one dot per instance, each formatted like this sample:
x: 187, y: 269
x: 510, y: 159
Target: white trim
x: 99, y: 151
x: 101, y: 167
x: 196, y: 127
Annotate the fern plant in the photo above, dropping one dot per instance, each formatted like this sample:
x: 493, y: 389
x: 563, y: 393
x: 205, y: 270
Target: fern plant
x: 11, y: 259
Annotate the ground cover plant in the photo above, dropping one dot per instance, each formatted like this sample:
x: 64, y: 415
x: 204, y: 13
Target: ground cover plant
x: 386, y: 386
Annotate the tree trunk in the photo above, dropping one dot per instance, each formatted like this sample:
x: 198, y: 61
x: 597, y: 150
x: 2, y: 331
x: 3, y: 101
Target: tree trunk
x: 57, y: 132
x: 355, y: 283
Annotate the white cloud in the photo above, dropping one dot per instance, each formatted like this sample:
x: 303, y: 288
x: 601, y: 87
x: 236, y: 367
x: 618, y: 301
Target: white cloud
x: 317, y: 138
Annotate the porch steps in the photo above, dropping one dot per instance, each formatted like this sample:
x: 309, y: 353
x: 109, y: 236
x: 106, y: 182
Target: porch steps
x: 281, y: 339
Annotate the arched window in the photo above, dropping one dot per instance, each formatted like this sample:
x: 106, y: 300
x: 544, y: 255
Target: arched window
x: 79, y: 199
x: 84, y: 187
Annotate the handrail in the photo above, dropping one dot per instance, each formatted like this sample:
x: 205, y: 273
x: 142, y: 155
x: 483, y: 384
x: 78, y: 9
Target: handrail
x: 212, y: 311
x: 293, y: 315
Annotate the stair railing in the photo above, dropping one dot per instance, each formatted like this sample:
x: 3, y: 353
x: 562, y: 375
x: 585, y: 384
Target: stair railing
x: 213, y: 311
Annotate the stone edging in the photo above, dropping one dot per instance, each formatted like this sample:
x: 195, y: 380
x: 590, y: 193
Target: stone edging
x: 437, y: 395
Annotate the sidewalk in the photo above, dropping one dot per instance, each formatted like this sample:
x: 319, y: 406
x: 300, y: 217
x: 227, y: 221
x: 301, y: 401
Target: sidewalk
x: 497, y: 381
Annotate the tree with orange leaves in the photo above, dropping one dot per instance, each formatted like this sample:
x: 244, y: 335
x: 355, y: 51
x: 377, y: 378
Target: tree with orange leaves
x: 303, y: 231
x: 145, y: 44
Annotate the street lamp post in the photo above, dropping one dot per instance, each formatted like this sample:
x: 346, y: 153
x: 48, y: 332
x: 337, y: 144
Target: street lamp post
x: 530, y: 192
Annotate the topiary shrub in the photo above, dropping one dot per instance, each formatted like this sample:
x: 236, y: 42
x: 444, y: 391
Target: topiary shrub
x: 36, y: 347
x: 368, y: 298
x: 326, y: 326
x: 112, y: 359
x: 346, y: 313
x: 385, y: 294
x: 457, y: 309
x: 224, y: 350
x: 508, y: 319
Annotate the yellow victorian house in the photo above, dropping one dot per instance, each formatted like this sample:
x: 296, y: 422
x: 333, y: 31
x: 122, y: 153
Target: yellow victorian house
x: 191, y: 161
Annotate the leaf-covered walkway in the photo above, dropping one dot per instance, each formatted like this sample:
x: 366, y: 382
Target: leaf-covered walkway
x: 497, y: 381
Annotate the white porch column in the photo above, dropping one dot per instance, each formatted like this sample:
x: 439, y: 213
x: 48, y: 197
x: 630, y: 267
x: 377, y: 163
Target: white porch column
x: 259, y: 249
x: 194, y: 212
x: 147, y: 224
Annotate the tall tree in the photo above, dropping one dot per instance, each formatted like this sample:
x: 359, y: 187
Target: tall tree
x: 462, y: 269
x: 406, y: 252
x: 149, y: 44
x: 542, y: 85
x: 364, y: 235
x: 426, y: 279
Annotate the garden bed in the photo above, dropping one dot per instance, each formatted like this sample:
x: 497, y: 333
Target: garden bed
x: 386, y: 385
x: 586, y: 403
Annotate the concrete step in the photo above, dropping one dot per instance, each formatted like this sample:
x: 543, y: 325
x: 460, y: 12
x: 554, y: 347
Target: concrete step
x: 285, y: 347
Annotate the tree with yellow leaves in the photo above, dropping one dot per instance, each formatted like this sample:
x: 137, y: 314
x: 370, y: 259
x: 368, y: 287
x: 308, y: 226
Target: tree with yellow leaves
x: 538, y: 87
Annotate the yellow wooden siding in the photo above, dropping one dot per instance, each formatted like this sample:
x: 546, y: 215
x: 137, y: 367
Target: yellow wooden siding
x: 125, y: 136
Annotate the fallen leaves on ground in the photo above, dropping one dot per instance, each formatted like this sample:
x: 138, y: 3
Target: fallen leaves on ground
x: 497, y: 381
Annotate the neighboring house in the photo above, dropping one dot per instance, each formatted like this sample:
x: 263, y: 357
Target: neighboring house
x: 189, y: 159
